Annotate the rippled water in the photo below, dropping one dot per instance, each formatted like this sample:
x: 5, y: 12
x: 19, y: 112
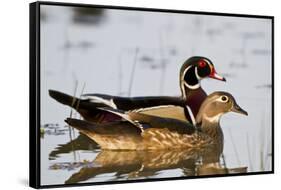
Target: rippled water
x: 96, y: 55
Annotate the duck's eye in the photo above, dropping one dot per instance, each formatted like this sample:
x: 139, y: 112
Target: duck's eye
x: 224, y: 98
x: 202, y: 63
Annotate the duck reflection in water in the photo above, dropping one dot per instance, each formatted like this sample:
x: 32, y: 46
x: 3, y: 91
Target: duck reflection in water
x: 149, y: 163
x: 82, y: 142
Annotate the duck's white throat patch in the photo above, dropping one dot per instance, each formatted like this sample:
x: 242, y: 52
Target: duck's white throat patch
x: 214, y: 119
x: 192, y: 86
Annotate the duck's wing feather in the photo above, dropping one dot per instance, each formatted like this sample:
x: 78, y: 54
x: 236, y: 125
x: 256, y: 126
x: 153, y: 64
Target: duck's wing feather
x: 120, y: 127
x: 169, y: 111
x: 144, y: 121
x: 131, y: 103
x: 114, y: 135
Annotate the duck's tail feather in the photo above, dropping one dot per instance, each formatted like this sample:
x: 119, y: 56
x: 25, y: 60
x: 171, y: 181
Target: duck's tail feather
x: 64, y: 98
x: 81, y: 125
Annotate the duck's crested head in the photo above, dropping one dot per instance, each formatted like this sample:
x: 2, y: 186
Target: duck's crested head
x: 196, y: 68
x: 217, y: 104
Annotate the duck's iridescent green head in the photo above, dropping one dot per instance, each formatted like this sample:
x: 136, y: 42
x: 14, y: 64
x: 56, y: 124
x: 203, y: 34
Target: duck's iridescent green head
x: 195, y: 69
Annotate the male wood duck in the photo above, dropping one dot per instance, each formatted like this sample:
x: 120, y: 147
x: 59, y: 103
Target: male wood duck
x: 191, y: 73
x: 142, y: 131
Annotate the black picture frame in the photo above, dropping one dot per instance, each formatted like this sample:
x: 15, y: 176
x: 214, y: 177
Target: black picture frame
x: 34, y: 91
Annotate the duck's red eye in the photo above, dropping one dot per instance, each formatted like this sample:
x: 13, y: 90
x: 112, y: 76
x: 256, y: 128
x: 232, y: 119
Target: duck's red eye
x: 202, y: 63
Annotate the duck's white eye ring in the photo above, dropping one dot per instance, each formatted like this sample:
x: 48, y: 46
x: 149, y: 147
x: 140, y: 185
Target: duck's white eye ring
x: 224, y: 98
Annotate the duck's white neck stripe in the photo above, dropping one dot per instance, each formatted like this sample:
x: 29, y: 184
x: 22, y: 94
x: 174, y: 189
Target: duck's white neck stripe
x: 184, y: 83
x: 197, y: 75
x: 193, y: 87
x: 191, y: 115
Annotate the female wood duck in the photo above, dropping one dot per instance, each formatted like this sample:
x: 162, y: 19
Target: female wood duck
x: 192, y: 71
x: 142, y: 131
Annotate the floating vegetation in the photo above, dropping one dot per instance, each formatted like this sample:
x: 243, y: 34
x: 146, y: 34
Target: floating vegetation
x: 51, y: 125
x: 52, y: 129
x: 56, y: 132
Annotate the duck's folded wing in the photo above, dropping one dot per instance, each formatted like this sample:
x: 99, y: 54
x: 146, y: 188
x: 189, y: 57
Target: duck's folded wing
x: 113, y: 135
x: 115, y: 128
x: 144, y: 121
x: 169, y: 111
x: 131, y: 103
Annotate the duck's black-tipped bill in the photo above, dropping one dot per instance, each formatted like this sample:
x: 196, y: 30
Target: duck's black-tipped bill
x: 215, y: 75
x: 236, y: 108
